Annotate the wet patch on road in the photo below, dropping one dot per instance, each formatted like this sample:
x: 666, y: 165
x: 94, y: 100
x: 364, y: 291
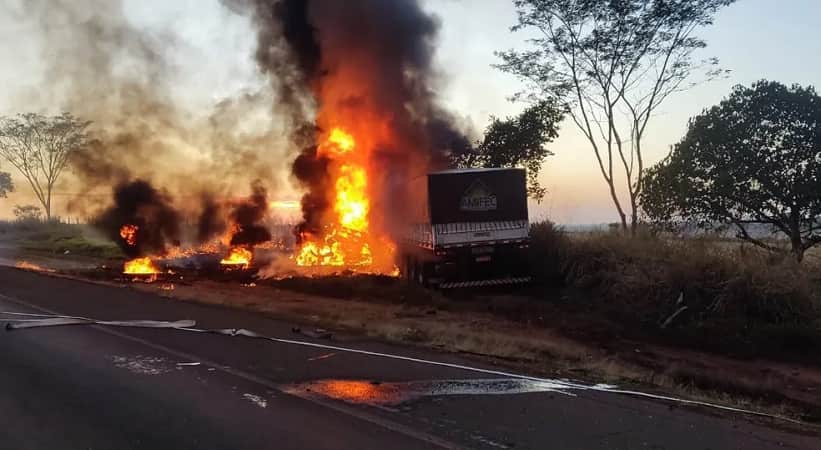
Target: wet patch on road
x: 386, y: 394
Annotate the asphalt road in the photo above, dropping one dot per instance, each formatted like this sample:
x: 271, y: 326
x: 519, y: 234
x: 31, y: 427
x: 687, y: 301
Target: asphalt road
x: 99, y: 387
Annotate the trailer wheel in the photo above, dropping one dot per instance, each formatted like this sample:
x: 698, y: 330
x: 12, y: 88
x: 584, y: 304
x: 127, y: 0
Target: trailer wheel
x: 407, y: 270
x: 423, y: 274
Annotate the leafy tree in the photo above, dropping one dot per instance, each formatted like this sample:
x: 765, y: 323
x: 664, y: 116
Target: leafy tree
x: 39, y: 147
x: 27, y: 213
x: 612, y: 63
x: 752, y: 161
x: 518, y: 142
x: 6, y: 185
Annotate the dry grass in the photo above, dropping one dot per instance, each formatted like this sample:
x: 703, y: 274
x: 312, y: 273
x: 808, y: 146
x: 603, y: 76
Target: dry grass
x: 731, y: 298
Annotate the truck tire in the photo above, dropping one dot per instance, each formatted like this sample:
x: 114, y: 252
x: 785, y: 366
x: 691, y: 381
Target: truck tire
x: 407, y: 270
x: 423, y: 274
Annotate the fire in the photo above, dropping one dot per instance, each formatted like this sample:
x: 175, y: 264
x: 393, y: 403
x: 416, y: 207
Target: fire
x: 351, y: 199
x: 348, y: 241
x: 129, y: 234
x: 140, y: 266
x: 339, y: 142
x: 239, y: 257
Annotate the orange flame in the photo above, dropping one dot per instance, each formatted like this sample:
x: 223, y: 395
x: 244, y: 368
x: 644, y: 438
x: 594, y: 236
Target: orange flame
x: 239, y: 257
x: 352, y: 203
x: 129, y: 234
x: 140, y: 266
x: 339, y: 142
x: 348, y: 241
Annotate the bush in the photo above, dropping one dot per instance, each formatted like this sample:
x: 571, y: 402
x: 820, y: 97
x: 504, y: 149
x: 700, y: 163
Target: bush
x: 548, y: 248
x: 649, y: 279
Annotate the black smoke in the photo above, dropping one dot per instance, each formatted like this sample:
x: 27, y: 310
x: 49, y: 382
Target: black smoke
x: 249, y: 216
x: 387, y: 46
x: 312, y: 170
x: 139, y: 203
x: 211, y: 221
x: 286, y: 52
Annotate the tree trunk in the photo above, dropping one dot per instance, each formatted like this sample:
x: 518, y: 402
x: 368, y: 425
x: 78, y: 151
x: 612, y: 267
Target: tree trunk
x: 797, y: 247
x: 48, y: 204
x: 622, y: 215
x: 795, y: 235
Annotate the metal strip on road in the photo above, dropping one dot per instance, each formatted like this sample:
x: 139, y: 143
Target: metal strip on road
x: 239, y: 332
x: 57, y: 321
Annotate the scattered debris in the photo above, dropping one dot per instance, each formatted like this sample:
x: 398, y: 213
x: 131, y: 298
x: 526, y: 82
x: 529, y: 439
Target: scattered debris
x: 324, y: 356
x: 673, y: 316
x: 62, y: 321
x: 318, y: 333
x: 256, y: 399
x: 142, y: 365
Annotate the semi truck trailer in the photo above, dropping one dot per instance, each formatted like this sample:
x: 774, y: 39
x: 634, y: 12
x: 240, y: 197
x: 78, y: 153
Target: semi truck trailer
x: 471, y: 230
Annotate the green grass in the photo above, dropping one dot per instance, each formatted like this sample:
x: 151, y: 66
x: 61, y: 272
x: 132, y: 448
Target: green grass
x: 58, y: 238
x: 74, y: 245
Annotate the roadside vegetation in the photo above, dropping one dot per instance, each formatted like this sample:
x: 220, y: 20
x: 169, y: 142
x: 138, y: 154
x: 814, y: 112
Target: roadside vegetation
x: 53, y: 237
x: 705, y: 292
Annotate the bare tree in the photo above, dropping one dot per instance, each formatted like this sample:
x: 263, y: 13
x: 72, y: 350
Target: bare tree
x: 612, y: 63
x: 39, y: 147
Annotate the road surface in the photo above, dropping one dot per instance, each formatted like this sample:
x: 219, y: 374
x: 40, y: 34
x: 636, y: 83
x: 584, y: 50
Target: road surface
x: 100, y: 387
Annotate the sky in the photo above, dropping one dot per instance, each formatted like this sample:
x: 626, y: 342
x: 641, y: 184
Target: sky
x: 755, y: 39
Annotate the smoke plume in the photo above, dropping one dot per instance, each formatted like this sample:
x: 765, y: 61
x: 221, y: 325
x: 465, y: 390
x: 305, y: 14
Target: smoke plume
x: 248, y: 217
x: 368, y: 65
x: 138, y: 203
x: 365, y: 66
x: 211, y: 221
x: 99, y: 66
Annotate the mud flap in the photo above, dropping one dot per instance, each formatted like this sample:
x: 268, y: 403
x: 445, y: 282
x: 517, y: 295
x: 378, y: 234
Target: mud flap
x: 480, y: 283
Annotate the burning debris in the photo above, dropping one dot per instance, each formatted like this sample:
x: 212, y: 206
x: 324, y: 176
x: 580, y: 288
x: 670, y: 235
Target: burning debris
x: 146, y: 225
x: 143, y: 269
x: 142, y: 220
x: 239, y: 258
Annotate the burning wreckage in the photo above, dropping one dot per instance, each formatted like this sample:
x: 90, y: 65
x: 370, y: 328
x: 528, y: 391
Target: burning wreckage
x: 373, y: 156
